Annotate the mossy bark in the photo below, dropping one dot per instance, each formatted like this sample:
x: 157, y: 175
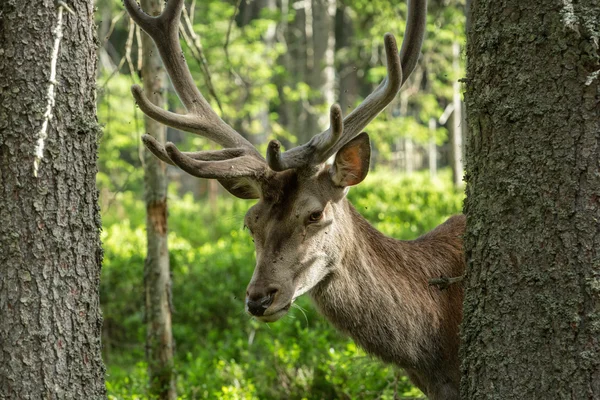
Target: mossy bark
x: 50, y: 253
x: 157, y: 275
x: 531, y: 327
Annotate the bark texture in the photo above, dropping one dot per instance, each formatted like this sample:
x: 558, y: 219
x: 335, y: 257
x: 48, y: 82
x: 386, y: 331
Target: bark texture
x: 157, y: 276
x: 531, y: 327
x: 50, y: 254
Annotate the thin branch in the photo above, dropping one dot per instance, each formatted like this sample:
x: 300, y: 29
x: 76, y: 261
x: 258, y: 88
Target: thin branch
x: 228, y: 36
x: 232, y: 72
x: 127, y: 56
x: 114, y: 72
x: 192, y: 9
x: 443, y: 282
x: 237, y: 78
x: 195, y: 45
x: 118, y: 188
x: 128, y: 46
x: 111, y: 28
x: 138, y: 41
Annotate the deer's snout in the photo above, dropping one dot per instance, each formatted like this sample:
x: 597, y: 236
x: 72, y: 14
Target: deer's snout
x: 259, y: 299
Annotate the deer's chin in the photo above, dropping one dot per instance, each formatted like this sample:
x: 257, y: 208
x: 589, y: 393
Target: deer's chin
x: 274, y: 316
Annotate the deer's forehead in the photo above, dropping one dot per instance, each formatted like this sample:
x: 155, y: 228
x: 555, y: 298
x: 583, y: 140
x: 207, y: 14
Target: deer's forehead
x: 286, y: 207
x: 290, y: 196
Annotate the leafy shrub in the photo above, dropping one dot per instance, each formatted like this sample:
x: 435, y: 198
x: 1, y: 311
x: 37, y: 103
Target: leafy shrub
x: 221, y: 352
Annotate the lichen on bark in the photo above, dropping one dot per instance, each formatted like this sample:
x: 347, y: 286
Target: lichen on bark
x: 50, y: 253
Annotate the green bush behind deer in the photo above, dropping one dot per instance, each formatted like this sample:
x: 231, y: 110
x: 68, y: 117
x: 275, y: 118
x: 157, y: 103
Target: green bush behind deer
x: 221, y: 352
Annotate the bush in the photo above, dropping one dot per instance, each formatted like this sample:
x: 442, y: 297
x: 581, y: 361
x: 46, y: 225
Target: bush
x: 221, y: 352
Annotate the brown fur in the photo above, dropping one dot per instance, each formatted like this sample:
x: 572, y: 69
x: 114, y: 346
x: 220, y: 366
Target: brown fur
x: 382, y: 299
x: 372, y: 287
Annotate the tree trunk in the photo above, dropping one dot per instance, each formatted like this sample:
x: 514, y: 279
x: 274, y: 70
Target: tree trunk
x: 270, y: 40
x: 157, y: 276
x: 309, y: 59
x: 50, y: 254
x: 432, y: 149
x: 347, y: 72
x: 320, y: 59
x: 409, y: 155
x: 291, y: 113
x: 531, y: 326
x: 457, y: 119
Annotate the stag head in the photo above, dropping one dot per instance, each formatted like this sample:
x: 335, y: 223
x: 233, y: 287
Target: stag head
x: 300, y: 222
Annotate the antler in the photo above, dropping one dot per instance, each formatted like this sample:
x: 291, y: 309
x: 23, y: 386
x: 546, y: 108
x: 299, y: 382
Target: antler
x: 239, y: 158
x: 327, y: 143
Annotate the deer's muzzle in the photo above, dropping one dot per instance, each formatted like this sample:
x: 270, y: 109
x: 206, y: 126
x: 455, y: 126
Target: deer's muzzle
x: 257, y: 302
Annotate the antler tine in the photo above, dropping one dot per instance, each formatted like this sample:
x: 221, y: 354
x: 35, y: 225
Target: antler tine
x: 200, y: 119
x: 413, y: 36
x: 164, y: 31
x: 212, y: 155
x: 319, y: 146
x: 358, y: 119
x: 219, y: 164
x: 383, y: 95
x: 244, y: 166
x: 189, y: 123
x: 156, y: 148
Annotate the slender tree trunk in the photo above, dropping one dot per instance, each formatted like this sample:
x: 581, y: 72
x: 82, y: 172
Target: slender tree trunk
x: 50, y: 254
x: 409, y: 155
x: 310, y: 41
x: 291, y: 113
x: 157, y: 276
x: 432, y: 149
x: 531, y: 326
x: 320, y: 60
x: 457, y: 119
x: 270, y: 39
x: 344, y: 34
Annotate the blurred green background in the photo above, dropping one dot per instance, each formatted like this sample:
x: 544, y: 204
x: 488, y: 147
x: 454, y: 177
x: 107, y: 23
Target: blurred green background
x: 221, y: 353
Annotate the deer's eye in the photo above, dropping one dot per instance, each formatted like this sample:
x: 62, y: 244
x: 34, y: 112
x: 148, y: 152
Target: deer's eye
x: 316, y: 216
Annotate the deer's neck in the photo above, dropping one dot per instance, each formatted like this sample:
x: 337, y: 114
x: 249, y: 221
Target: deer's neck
x: 379, y: 295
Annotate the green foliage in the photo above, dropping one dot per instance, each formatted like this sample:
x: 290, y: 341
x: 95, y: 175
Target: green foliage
x: 405, y: 206
x: 220, y: 352
x: 119, y: 163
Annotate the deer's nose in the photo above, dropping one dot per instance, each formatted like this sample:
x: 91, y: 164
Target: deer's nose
x: 257, y: 301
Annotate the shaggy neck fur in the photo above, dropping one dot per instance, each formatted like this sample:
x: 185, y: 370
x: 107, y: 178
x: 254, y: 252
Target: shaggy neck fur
x: 378, y: 293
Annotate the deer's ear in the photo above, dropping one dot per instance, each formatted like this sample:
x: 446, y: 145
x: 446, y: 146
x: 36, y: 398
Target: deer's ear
x: 351, y: 163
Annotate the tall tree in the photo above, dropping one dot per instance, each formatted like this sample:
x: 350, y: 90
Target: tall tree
x: 457, y: 119
x: 345, y: 65
x: 320, y: 38
x: 532, y: 308
x: 50, y: 254
x: 157, y: 276
x: 309, y: 65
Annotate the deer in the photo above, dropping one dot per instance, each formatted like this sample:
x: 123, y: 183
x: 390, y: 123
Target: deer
x: 308, y: 237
